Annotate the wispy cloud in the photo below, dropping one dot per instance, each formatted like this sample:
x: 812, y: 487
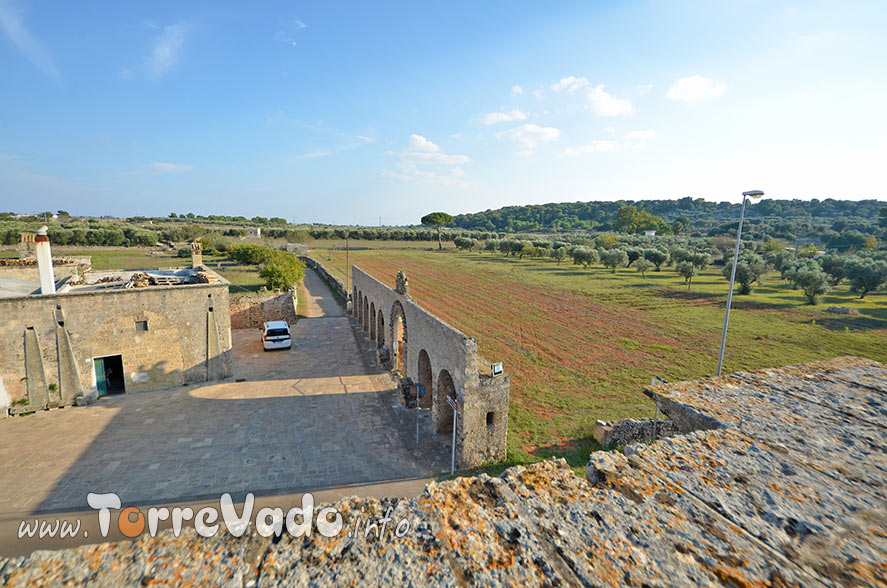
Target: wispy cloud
x: 694, y: 87
x: 165, y: 52
x: 644, y: 89
x: 11, y: 23
x: 500, y: 117
x: 287, y: 33
x: 165, y: 167
x: 423, y: 162
x: 570, y: 84
x: 600, y: 101
x: 516, y: 90
x: 530, y: 136
x: 631, y: 140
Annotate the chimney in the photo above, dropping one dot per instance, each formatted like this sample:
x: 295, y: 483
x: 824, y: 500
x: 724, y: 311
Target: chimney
x: 44, y: 261
x: 196, y: 254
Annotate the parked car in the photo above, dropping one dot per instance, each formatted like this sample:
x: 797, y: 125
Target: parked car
x: 276, y: 335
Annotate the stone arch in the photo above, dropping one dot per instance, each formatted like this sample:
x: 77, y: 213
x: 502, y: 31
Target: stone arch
x: 366, y: 314
x: 445, y: 387
x: 354, y: 301
x: 398, y: 338
x: 372, y: 322
x: 425, y: 375
x: 380, y: 329
x: 359, y: 310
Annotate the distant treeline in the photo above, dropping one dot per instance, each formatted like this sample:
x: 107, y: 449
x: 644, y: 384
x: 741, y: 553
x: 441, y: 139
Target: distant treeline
x: 785, y: 219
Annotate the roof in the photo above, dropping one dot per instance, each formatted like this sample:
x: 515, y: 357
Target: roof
x: 96, y: 281
x: 782, y: 482
x: 276, y: 325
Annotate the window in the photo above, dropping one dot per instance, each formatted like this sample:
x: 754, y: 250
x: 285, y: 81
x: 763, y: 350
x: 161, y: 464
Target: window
x: 141, y: 326
x: 491, y: 418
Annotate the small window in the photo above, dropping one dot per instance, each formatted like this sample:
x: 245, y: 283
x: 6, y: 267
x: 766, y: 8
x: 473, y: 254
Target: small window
x: 491, y: 418
x: 141, y: 326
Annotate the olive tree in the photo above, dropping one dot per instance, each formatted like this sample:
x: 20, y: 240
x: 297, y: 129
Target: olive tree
x: 749, y: 270
x: 686, y: 270
x: 643, y: 266
x: 866, y: 274
x: 813, y: 281
x: 614, y: 258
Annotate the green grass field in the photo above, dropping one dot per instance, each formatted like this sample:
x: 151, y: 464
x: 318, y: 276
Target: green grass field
x: 581, y: 343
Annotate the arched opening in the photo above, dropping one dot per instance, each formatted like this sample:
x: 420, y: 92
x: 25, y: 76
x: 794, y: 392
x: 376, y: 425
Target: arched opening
x: 354, y: 302
x: 445, y: 387
x: 372, y: 322
x: 380, y: 329
x: 366, y: 314
x: 359, y: 309
x: 425, y: 378
x: 399, y: 338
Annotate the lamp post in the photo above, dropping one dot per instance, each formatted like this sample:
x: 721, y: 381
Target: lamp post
x: 754, y: 195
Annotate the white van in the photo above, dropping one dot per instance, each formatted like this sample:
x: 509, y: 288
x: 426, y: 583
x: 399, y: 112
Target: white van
x: 276, y: 335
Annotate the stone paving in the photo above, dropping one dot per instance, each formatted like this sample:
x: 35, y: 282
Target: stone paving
x: 316, y: 416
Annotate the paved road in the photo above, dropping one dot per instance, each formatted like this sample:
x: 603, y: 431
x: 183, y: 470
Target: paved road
x: 318, y: 416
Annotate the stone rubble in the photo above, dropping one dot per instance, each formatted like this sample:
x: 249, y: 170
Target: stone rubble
x: 779, y: 480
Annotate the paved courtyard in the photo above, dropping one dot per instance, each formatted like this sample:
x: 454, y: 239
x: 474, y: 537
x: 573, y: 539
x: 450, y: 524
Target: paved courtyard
x: 317, y: 416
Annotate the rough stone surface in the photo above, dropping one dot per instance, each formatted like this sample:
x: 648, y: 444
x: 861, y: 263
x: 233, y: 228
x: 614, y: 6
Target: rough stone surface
x: 629, y: 431
x: 732, y: 507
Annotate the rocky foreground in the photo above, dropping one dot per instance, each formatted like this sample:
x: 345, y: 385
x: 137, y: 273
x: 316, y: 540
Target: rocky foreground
x: 779, y: 479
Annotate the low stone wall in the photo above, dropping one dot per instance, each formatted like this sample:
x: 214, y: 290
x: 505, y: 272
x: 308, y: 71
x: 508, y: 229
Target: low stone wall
x: 248, y: 312
x: 30, y: 273
x: 337, y: 285
x: 631, y: 431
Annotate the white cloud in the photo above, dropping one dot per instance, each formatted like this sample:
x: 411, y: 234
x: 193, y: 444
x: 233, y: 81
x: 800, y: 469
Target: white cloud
x: 500, y: 117
x: 423, y: 162
x: 606, y: 105
x: 694, y: 87
x: 570, y: 84
x: 644, y: 88
x: 21, y: 38
x: 165, y: 53
x: 593, y: 147
x: 516, y: 90
x: 632, y: 140
x: 164, y: 167
x: 529, y: 136
x: 609, y: 129
x: 538, y: 93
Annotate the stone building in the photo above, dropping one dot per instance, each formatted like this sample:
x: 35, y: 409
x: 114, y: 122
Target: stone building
x: 111, y: 332
x: 443, y: 360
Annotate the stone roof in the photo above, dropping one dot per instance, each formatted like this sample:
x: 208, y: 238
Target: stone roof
x: 779, y: 480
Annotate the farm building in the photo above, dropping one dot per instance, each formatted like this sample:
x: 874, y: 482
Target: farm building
x: 94, y: 333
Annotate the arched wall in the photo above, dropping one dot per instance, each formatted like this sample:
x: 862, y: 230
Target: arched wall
x: 446, y: 349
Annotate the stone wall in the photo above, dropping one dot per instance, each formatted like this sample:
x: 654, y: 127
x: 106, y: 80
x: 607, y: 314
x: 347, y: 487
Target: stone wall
x: 335, y: 284
x: 629, y: 431
x: 447, y: 355
x: 248, y: 312
x: 188, y: 337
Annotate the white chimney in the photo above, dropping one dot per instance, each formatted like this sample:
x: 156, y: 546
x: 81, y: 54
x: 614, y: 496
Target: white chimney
x: 44, y: 261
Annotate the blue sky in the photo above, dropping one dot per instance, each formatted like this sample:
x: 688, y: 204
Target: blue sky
x: 348, y: 112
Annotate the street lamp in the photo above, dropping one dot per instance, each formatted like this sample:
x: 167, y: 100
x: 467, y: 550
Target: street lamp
x: 754, y: 195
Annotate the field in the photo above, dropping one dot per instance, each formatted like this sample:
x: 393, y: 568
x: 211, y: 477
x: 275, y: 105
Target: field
x: 581, y: 343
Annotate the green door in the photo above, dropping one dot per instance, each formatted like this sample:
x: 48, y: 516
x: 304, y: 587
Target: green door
x: 101, y: 383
